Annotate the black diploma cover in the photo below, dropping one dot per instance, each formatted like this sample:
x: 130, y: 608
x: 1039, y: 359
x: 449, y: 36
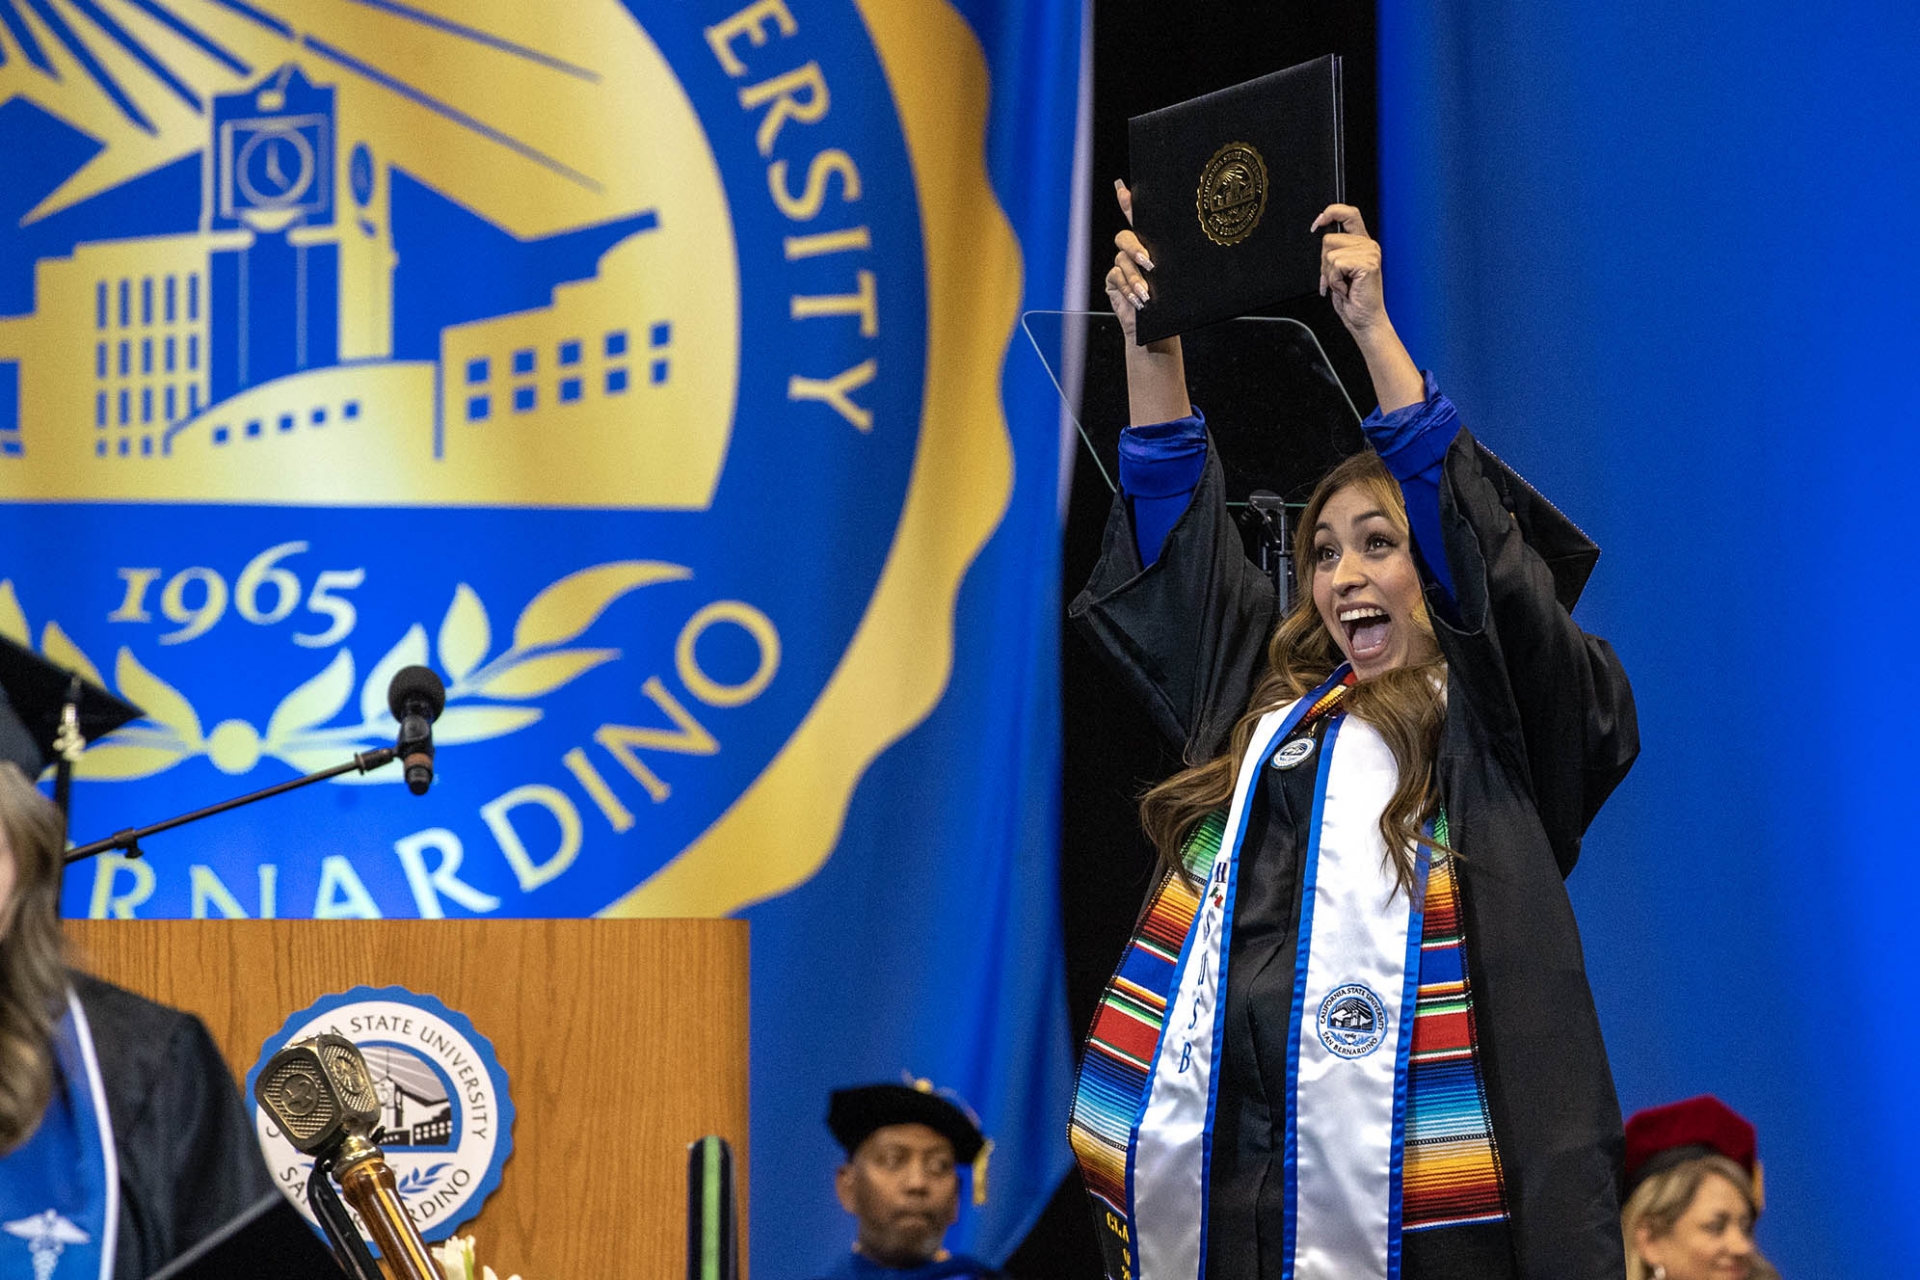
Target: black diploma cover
x: 1224, y: 188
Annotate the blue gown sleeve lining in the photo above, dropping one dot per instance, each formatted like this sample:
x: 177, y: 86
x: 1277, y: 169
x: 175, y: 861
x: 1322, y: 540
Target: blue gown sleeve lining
x: 1413, y: 442
x: 1160, y: 466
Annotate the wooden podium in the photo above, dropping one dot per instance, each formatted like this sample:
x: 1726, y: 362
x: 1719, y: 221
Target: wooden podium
x: 622, y: 1040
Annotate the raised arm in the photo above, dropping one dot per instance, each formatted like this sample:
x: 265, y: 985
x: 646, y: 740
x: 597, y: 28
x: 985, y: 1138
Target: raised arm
x: 1174, y: 606
x: 1503, y: 568
x: 1414, y: 424
x: 1156, y: 373
x: 1164, y: 450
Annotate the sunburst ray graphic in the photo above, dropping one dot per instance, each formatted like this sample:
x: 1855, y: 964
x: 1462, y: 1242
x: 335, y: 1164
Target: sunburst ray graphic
x: 139, y: 75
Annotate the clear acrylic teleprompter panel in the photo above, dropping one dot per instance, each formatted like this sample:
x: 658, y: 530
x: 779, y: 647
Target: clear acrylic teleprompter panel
x: 1277, y: 410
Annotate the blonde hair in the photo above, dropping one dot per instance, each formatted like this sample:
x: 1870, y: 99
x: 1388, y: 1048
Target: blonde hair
x: 1406, y: 704
x: 1661, y: 1200
x: 33, y: 970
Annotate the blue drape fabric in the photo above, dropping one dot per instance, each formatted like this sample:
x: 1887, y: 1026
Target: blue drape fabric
x: 1621, y: 230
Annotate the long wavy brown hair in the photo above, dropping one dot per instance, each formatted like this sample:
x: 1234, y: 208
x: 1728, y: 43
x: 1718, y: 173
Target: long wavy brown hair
x: 1406, y: 704
x: 33, y: 971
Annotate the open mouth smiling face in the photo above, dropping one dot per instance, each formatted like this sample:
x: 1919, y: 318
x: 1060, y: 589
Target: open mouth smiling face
x: 1365, y: 583
x: 1367, y: 630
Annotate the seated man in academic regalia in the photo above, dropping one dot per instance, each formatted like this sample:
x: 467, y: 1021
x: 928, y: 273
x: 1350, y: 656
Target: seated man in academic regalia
x: 124, y: 1146
x: 901, y: 1182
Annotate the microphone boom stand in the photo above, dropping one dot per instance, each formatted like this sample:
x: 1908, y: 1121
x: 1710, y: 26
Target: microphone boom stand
x: 129, y: 840
x: 1276, y: 545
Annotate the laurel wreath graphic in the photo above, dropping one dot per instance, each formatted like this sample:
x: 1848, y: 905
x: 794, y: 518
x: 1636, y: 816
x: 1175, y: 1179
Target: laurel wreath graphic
x: 418, y: 1181
x: 487, y: 697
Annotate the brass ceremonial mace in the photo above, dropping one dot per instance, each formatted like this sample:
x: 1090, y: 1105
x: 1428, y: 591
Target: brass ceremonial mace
x: 367, y: 1183
x: 318, y: 1092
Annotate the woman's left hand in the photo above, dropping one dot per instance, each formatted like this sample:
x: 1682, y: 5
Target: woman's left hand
x: 1350, y: 276
x: 1350, y: 269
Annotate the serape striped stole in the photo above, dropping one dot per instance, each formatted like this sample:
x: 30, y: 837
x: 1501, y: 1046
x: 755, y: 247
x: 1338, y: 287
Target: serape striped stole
x: 1450, y: 1172
x: 1118, y: 1055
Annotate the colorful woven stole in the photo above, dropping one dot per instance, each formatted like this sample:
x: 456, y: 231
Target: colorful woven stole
x: 1119, y: 1048
x: 1450, y: 1171
x: 1451, y: 1175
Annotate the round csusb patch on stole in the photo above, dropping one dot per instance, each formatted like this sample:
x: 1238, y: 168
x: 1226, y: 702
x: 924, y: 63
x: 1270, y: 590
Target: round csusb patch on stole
x: 446, y: 1120
x: 1352, y: 1021
x: 1293, y: 753
x: 1233, y: 193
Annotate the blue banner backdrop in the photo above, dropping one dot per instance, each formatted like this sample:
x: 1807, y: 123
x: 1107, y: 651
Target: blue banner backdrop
x: 643, y: 370
x: 1667, y: 259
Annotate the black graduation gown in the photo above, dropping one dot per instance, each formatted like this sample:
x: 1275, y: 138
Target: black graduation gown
x: 189, y: 1161
x: 1540, y: 728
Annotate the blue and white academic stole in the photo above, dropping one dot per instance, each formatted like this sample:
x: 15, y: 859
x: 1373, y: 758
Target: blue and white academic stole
x: 60, y: 1190
x: 1355, y: 979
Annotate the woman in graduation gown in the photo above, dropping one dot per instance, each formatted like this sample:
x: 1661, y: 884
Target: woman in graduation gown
x: 122, y: 1138
x: 1353, y: 1035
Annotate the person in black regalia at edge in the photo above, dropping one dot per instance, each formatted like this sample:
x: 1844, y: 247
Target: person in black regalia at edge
x: 1388, y: 789
x: 124, y: 1146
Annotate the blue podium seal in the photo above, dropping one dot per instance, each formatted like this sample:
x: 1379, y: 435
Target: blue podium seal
x: 446, y: 1118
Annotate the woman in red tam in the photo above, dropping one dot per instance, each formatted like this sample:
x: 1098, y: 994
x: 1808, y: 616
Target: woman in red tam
x: 1692, y: 1193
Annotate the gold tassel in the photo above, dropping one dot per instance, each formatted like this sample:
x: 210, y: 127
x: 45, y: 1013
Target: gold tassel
x: 1759, y: 1187
x: 980, y: 1173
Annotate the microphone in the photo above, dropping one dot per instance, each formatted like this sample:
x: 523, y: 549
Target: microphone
x: 416, y: 697
x: 319, y: 1093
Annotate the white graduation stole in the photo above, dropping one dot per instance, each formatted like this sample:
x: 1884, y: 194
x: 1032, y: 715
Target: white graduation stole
x: 1356, y: 973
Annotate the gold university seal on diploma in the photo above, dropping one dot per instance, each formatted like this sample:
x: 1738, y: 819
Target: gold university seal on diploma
x: 1232, y: 194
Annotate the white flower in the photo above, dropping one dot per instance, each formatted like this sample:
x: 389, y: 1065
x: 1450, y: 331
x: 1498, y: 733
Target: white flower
x: 458, y: 1263
x: 456, y: 1258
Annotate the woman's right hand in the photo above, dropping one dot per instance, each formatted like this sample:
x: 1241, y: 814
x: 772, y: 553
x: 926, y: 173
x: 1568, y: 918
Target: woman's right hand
x: 1127, y: 290
x: 1156, y: 373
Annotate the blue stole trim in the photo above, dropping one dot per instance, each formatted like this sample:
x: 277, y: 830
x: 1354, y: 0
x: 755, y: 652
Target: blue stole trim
x: 60, y: 1190
x: 1290, y: 1168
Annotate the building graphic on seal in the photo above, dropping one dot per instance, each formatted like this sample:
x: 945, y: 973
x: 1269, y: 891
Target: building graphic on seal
x: 415, y: 1110
x: 1351, y: 1014
x: 1352, y: 1021
x: 286, y: 313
